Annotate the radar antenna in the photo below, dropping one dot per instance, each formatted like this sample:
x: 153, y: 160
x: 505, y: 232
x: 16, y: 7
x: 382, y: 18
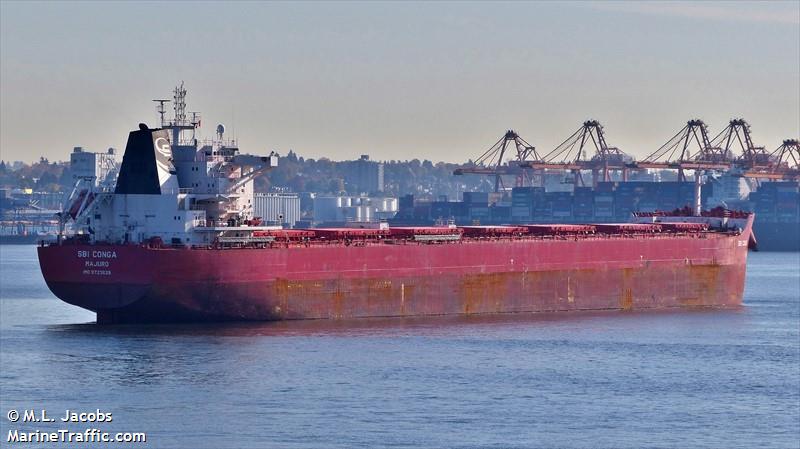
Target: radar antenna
x: 161, y: 109
x: 195, y: 122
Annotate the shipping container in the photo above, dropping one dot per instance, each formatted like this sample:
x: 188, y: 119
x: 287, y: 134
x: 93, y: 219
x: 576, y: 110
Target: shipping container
x: 606, y: 186
x: 603, y: 214
x: 605, y: 197
x: 542, y: 211
x: 500, y: 213
x: 521, y: 201
x: 459, y: 210
x: 520, y: 212
x: 441, y: 209
x: 476, y: 197
x: 647, y: 206
x: 479, y: 212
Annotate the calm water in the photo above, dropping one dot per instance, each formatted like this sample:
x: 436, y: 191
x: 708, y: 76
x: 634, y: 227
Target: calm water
x: 677, y: 379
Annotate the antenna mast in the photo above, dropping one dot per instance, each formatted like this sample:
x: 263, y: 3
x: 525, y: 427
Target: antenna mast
x: 161, y: 109
x: 179, y: 96
x: 195, y: 122
x: 179, y: 122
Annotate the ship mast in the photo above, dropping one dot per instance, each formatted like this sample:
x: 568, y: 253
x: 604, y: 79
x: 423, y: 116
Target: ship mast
x: 179, y: 121
x: 161, y: 109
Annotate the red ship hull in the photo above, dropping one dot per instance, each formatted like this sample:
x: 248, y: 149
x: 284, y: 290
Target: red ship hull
x: 129, y: 283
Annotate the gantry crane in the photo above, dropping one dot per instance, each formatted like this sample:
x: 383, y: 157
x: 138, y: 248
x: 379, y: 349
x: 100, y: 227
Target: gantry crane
x: 788, y: 155
x: 689, y: 149
x: 737, y: 133
x: 718, y: 154
x: 492, y: 161
x: 571, y: 155
x: 678, y: 154
x: 781, y: 164
x: 754, y: 162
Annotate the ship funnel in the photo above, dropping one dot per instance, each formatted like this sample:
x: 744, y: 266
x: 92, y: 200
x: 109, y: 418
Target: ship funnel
x: 147, y: 164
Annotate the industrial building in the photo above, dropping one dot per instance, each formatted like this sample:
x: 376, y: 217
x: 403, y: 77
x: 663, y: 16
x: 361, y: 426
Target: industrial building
x: 364, y: 176
x: 95, y: 166
x: 341, y: 209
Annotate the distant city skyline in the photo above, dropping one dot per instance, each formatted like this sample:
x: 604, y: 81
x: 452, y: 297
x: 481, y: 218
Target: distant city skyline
x: 436, y: 81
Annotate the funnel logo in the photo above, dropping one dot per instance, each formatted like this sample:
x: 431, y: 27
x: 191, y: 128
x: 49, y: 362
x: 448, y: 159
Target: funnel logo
x: 164, y: 166
x: 162, y: 145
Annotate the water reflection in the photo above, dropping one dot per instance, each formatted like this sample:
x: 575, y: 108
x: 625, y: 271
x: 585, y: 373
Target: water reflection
x: 428, y: 326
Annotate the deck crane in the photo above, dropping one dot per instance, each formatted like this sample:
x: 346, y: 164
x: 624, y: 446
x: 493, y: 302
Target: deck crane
x: 492, y: 161
x: 571, y: 155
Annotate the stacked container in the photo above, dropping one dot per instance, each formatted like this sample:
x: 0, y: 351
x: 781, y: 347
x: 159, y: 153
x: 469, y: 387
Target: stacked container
x: 522, y: 199
x: 476, y: 198
x: 776, y: 201
x: 625, y: 199
x: 560, y: 204
x: 441, y: 209
x: 787, y: 205
x: 500, y: 214
x: 583, y: 203
x: 477, y: 205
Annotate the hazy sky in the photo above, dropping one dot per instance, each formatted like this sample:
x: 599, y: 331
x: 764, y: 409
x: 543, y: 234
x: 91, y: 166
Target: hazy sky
x: 439, y: 81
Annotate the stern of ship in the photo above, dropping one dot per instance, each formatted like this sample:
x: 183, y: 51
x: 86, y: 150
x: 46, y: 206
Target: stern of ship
x: 100, y: 278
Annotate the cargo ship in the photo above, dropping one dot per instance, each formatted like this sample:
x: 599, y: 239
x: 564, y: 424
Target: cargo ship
x: 777, y: 208
x: 176, y: 240
x: 776, y: 205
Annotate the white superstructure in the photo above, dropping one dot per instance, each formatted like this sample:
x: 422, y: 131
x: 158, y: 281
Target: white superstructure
x: 172, y: 187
